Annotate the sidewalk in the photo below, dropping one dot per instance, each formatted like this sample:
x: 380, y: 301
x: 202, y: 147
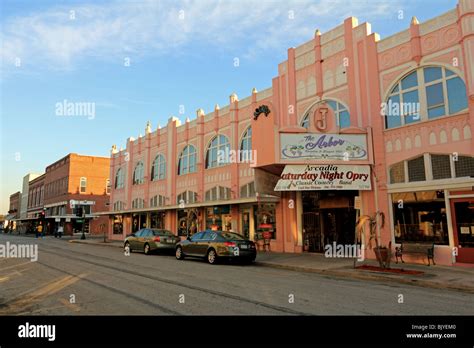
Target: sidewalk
x: 438, y: 277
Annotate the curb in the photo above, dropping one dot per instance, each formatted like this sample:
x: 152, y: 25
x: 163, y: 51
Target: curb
x: 373, y: 277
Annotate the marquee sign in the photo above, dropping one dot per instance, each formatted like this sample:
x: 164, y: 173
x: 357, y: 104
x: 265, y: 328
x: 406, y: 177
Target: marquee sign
x: 324, y: 177
x: 344, y: 147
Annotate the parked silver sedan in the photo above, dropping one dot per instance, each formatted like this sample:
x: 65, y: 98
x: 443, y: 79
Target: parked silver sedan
x: 151, y: 239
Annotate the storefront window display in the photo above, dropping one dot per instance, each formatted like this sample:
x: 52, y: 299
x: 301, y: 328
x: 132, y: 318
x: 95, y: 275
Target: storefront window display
x: 118, y: 224
x: 218, y: 218
x: 420, y: 216
x: 188, y: 223
x: 265, y: 221
x: 157, y: 220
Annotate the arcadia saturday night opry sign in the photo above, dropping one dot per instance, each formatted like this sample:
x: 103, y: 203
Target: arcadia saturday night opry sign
x: 297, y: 177
x: 344, y: 147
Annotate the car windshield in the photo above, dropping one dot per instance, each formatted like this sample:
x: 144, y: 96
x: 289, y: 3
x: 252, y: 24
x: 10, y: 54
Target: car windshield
x: 162, y: 233
x: 232, y: 235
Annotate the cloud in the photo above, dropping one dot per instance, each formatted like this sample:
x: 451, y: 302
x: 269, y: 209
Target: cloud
x: 59, y: 38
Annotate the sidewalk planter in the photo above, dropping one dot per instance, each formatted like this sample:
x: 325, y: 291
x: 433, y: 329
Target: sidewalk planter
x: 383, y: 255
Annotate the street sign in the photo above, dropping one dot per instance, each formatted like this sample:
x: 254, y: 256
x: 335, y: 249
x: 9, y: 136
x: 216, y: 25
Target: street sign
x: 73, y: 203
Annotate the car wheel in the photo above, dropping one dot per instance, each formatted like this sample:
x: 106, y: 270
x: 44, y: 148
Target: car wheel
x: 146, y: 249
x: 127, y: 247
x: 212, y: 256
x: 179, y: 253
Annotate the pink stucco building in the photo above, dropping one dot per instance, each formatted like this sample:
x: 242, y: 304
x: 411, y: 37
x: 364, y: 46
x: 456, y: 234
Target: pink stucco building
x: 352, y: 124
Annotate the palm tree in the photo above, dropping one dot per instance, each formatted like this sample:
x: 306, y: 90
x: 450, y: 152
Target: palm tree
x: 374, y: 222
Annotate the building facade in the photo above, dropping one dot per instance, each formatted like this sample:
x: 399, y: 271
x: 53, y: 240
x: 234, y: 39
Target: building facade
x: 351, y: 125
x: 75, y: 180
x: 14, y: 210
x: 25, y: 193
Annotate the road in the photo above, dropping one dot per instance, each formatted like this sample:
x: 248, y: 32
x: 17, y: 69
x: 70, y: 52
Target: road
x: 70, y: 279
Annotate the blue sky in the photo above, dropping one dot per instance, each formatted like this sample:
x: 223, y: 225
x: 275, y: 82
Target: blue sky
x: 180, y: 53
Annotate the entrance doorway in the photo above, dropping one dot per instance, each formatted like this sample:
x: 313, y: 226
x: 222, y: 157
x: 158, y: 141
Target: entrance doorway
x: 328, y: 217
x: 463, y: 223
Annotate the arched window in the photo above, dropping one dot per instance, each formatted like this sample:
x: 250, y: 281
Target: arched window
x: 341, y: 113
x: 246, y: 146
x: 138, y: 174
x: 424, y: 94
x: 119, y: 178
x: 186, y: 197
x: 187, y: 160
x: 218, y: 152
x: 158, y: 168
x: 218, y: 193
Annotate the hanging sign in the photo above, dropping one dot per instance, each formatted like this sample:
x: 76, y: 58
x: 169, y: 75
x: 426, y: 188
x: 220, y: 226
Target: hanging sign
x: 324, y: 177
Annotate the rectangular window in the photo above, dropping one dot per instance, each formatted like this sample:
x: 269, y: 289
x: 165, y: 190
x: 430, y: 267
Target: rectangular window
x: 416, y: 169
x: 464, y: 166
x: 83, y: 185
x: 435, y: 100
x: 397, y: 173
x: 411, y: 107
x: 420, y: 218
x: 432, y: 74
x: 441, y: 166
x: 392, y: 118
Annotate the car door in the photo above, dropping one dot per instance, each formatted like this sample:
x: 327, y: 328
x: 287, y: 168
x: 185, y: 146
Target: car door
x: 203, y: 243
x: 192, y: 247
x: 133, y: 240
x: 145, y: 237
x: 140, y: 238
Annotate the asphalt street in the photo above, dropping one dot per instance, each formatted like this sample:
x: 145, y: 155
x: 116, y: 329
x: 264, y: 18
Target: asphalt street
x: 70, y: 278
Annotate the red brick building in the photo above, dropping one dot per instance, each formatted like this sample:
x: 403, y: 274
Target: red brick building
x: 35, y: 197
x: 72, y: 179
x: 14, y: 209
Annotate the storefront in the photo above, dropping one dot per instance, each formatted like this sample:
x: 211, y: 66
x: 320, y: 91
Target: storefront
x: 462, y: 209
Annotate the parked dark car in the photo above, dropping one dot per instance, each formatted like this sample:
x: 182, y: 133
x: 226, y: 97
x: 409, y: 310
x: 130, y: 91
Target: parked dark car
x: 151, y: 239
x: 215, y: 245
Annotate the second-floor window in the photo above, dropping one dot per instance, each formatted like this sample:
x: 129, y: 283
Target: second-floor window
x: 138, y: 174
x: 158, y: 168
x: 119, y: 178
x: 424, y: 94
x: 83, y: 185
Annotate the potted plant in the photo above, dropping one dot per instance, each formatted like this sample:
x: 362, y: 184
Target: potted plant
x: 374, y: 222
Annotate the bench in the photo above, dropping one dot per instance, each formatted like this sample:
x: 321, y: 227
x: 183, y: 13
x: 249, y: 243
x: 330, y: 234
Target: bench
x: 426, y: 248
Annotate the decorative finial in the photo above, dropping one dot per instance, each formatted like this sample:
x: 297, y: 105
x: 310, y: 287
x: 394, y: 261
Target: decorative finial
x: 216, y: 107
x: 200, y: 112
x: 233, y: 98
x: 254, y: 90
x: 148, y: 128
x: 317, y: 32
x: 414, y: 21
x: 187, y: 119
x: 114, y: 149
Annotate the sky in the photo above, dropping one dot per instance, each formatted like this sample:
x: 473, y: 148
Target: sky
x: 138, y: 61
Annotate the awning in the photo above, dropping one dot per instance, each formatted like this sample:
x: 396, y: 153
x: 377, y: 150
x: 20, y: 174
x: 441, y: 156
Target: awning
x: 261, y: 199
